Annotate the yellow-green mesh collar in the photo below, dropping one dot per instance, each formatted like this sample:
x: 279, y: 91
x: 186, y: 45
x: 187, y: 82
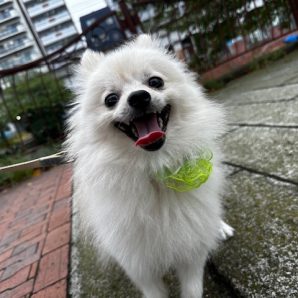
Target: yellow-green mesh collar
x: 191, y: 175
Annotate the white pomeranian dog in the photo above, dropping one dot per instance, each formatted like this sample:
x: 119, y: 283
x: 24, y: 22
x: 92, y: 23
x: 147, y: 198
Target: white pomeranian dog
x: 139, y: 112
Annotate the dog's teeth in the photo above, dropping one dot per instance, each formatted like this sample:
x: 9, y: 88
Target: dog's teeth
x: 134, y: 131
x: 121, y: 126
x: 160, y: 122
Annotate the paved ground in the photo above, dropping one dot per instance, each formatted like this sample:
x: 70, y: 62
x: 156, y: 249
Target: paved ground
x: 259, y: 261
x: 35, y: 236
x: 262, y: 159
x: 262, y: 151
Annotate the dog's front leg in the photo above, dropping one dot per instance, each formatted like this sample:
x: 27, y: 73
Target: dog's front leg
x: 150, y: 285
x: 225, y: 231
x: 191, y: 277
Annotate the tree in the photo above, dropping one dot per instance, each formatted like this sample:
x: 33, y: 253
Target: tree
x: 213, y: 23
x: 38, y: 101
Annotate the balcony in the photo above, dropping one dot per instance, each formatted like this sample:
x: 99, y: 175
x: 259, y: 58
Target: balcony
x: 57, y: 36
x: 52, y: 21
x: 74, y: 48
x: 4, y: 2
x: 10, y: 63
x: 11, y: 32
x: 44, y: 7
x: 7, y: 16
x: 16, y: 47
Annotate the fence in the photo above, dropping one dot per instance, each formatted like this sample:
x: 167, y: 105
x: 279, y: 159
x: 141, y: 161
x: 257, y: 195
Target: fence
x: 33, y: 97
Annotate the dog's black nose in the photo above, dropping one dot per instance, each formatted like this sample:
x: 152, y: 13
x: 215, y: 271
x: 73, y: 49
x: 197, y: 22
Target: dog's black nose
x: 139, y: 99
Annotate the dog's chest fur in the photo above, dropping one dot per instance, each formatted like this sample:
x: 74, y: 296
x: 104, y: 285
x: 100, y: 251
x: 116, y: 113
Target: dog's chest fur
x: 153, y: 225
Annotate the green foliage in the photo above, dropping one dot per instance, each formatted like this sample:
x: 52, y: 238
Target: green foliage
x: 213, y: 23
x: 256, y: 64
x: 12, y: 178
x: 33, y: 91
x: 213, y: 85
x: 45, y: 123
x: 38, y: 99
x: 8, y: 179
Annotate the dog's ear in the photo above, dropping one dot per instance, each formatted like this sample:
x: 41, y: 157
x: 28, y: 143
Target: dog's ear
x: 90, y: 60
x: 145, y: 41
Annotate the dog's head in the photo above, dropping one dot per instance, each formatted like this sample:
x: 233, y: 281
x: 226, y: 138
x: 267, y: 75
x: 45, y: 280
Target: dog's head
x: 140, y: 100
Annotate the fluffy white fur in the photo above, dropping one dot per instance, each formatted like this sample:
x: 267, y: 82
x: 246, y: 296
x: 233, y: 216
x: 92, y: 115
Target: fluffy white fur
x: 144, y: 226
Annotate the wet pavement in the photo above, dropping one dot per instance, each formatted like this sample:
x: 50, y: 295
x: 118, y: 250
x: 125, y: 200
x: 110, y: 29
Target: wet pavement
x: 261, y: 204
x: 35, y: 225
x: 261, y: 152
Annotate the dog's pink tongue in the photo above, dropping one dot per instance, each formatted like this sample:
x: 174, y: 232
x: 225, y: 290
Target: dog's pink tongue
x: 148, y: 130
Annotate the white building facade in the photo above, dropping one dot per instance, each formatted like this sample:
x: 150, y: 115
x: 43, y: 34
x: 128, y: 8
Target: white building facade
x: 30, y: 29
x: 17, y: 45
x: 52, y: 22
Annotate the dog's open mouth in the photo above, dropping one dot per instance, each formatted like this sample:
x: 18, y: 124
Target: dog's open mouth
x: 149, y: 130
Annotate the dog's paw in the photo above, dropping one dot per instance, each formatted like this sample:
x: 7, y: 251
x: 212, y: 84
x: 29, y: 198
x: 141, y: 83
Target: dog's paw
x: 225, y: 231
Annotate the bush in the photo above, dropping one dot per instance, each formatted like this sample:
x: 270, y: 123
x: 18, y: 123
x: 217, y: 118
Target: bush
x: 14, y: 177
x: 9, y: 179
x: 45, y: 122
x: 39, y: 100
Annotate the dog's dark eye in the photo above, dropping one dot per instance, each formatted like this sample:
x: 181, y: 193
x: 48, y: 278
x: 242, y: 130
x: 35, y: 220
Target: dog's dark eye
x: 111, y: 100
x: 155, y: 82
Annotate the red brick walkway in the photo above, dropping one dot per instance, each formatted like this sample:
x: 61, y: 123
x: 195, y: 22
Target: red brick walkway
x: 35, y: 227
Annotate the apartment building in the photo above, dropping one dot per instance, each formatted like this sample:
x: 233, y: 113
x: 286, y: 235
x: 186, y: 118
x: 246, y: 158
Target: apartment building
x: 17, y: 45
x: 30, y: 29
x: 51, y: 21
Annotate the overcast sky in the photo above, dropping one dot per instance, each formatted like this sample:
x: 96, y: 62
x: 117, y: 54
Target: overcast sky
x: 79, y: 8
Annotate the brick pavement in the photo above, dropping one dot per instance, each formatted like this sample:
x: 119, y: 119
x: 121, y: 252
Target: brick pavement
x: 35, y: 230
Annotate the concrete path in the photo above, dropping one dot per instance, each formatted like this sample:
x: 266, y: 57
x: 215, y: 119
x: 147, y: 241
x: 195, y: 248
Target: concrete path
x: 35, y: 235
x: 262, y: 153
x: 261, y: 203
